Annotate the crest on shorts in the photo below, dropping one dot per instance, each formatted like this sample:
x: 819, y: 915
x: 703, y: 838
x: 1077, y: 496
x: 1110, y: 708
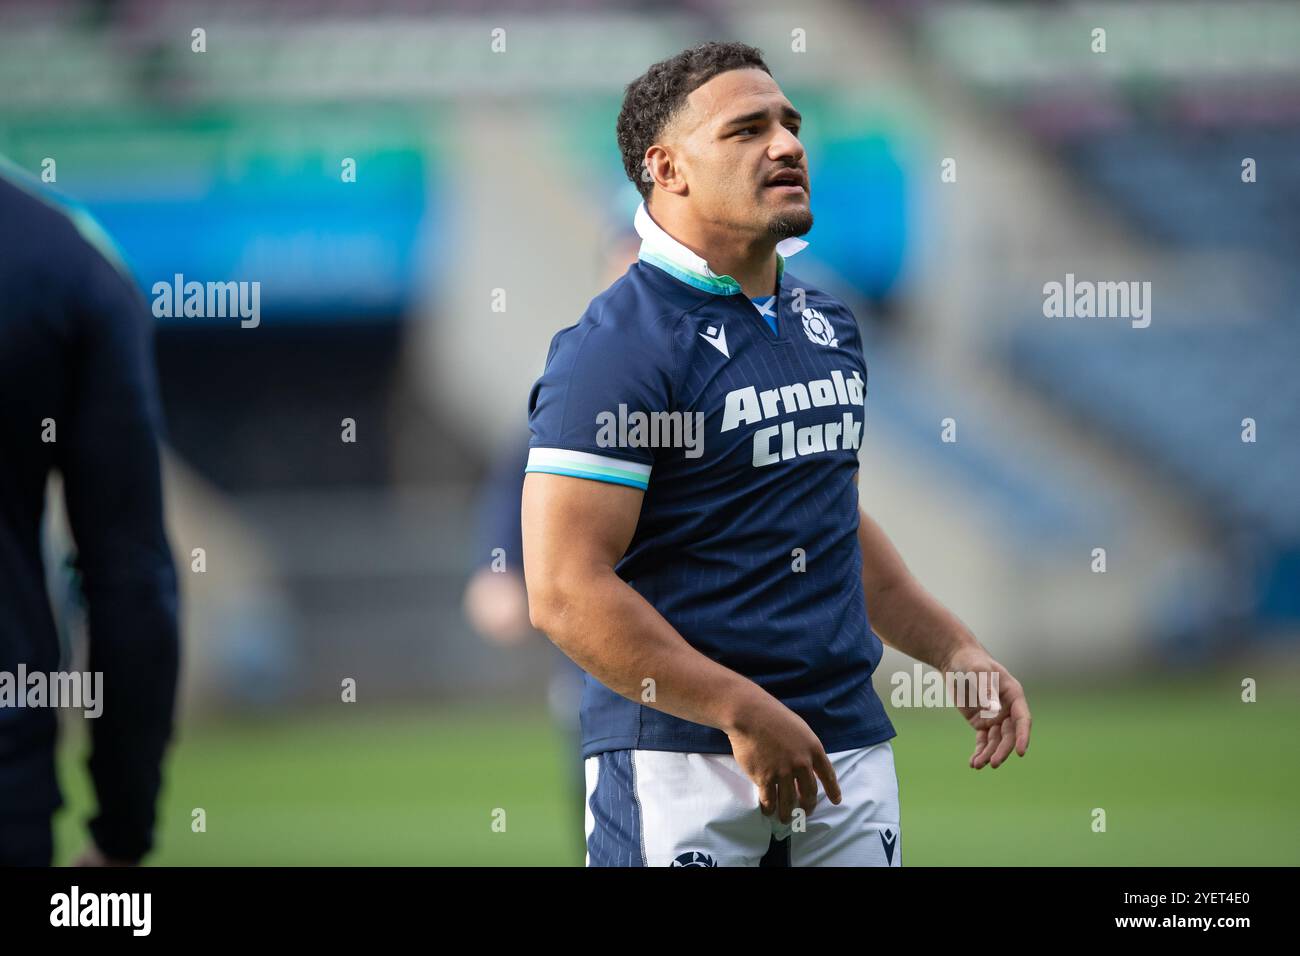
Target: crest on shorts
x: 694, y: 858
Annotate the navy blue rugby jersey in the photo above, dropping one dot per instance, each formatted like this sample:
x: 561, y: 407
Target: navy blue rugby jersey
x: 746, y: 444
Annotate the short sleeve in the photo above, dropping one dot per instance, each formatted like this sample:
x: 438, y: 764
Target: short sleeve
x: 588, y: 412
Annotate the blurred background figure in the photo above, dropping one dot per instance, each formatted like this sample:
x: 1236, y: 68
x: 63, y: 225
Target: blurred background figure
x: 422, y: 197
x: 496, y: 599
x: 78, y: 396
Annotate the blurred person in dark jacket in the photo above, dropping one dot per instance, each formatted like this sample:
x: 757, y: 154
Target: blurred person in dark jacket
x: 78, y: 396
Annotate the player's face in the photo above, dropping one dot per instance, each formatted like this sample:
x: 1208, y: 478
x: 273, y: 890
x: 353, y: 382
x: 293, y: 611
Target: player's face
x: 740, y: 153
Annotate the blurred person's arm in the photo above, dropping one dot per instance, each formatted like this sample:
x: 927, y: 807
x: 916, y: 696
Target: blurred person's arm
x: 109, y: 458
x: 910, y: 619
x: 575, y: 532
x: 495, y: 601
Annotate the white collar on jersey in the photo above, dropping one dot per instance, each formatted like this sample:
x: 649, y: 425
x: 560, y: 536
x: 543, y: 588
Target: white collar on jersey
x: 662, y: 250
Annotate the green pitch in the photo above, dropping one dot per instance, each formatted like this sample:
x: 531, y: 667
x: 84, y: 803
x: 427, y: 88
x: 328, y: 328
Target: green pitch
x: 1185, y: 772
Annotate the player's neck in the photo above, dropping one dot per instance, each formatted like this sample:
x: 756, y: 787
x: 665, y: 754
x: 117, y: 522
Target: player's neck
x: 749, y: 260
x: 755, y: 271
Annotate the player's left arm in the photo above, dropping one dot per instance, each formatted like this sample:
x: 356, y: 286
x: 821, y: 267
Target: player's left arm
x: 110, y: 460
x: 909, y: 618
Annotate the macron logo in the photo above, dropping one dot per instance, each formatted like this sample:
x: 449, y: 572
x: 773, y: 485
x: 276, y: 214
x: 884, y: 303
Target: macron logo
x: 889, y: 840
x: 717, y: 337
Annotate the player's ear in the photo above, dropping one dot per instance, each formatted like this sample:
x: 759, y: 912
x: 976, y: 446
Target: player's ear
x: 661, y: 167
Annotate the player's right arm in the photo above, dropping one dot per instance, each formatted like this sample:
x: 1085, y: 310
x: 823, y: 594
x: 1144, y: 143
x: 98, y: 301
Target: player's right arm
x: 575, y: 532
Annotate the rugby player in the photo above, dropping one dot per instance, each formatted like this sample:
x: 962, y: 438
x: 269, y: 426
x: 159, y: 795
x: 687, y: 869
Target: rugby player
x: 717, y: 596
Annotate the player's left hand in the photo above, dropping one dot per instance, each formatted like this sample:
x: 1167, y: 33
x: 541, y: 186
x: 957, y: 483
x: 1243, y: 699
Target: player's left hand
x: 1004, y: 723
x: 93, y: 856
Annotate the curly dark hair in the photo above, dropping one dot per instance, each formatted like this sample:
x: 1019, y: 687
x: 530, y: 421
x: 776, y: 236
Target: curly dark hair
x: 652, y: 100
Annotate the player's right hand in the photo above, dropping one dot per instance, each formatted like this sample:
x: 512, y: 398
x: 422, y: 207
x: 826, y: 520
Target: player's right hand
x: 782, y: 756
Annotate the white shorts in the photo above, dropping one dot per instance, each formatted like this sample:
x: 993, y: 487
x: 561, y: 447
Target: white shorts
x: 659, y: 808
